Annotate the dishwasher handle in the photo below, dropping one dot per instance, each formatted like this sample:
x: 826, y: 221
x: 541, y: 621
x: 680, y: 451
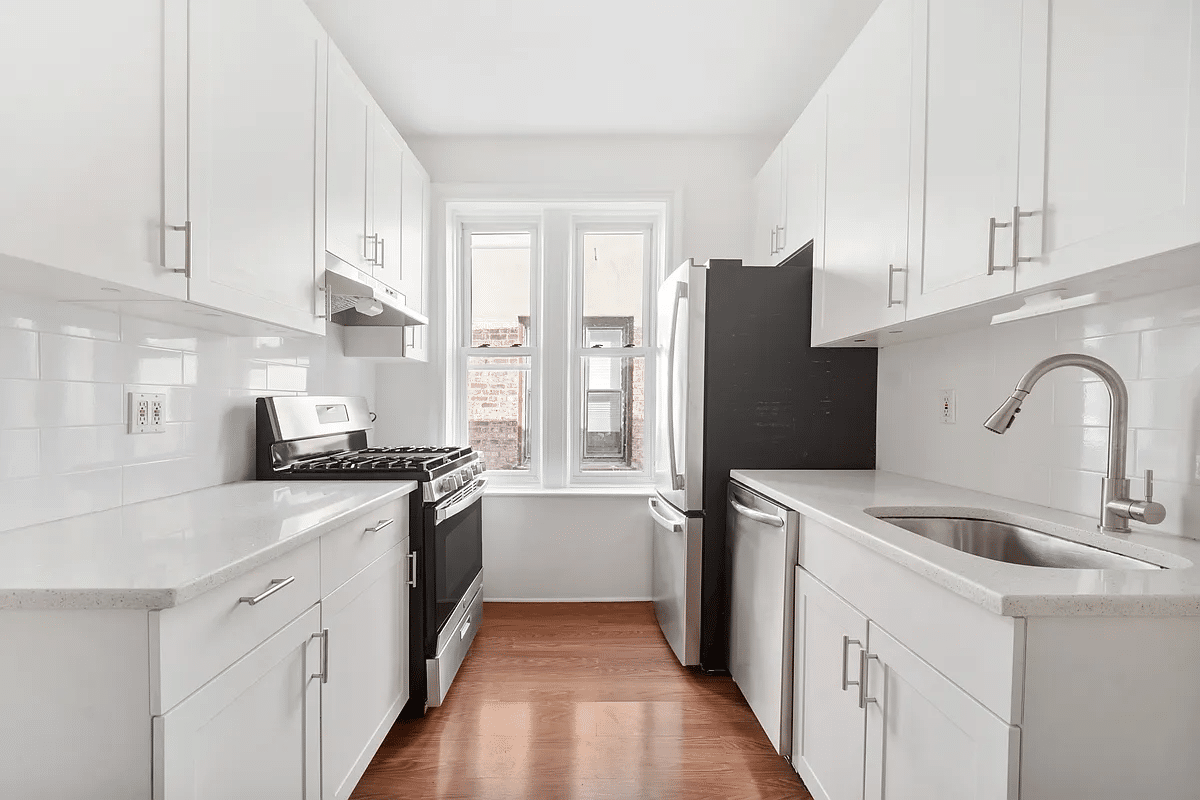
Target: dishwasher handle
x: 754, y: 514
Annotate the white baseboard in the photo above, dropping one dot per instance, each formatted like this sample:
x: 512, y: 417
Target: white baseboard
x: 567, y: 599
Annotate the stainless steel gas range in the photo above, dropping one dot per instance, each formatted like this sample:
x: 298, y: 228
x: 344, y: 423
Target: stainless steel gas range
x: 325, y: 438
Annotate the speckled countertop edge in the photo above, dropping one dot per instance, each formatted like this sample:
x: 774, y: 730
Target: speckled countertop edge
x: 157, y: 599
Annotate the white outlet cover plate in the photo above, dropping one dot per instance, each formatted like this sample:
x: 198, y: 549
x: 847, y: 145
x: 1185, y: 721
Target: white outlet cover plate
x: 142, y: 412
x: 947, y: 406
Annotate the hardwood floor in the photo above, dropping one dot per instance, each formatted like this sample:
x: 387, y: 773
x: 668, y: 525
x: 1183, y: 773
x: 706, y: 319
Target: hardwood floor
x: 576, y: 701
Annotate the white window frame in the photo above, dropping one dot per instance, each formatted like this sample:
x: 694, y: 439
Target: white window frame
x: 557, y: 330
x: 492, y: 224
x: 652, y: 265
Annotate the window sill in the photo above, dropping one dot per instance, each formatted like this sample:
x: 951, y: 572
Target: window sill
x: 570, y: 491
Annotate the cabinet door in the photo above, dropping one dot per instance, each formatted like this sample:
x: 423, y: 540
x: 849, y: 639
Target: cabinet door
x: 1110, y: 120
x: 388, y: 200
x: 827, y: 744
x: 414, y: 218
x: 256, y: 178
x: 347, y: 165
x: 251, y: 733
x: 768, y: 205
x: 927, y: 738
x: 867, y: 178
x: 367, y: 620
x: 805, y: 180
x: 966, y: 104
x: 81, y: 146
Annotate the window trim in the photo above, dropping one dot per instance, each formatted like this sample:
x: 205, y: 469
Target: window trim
x: 554, y: 451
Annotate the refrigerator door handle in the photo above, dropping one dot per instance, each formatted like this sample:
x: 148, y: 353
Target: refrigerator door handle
x: 661, y: 519
x: 680, y: 294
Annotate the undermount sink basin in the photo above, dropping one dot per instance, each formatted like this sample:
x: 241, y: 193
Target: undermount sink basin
x: 1013, y: 544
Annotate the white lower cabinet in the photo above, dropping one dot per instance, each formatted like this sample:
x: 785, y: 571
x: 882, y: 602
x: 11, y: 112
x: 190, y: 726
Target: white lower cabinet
x: 928, y: 739
x: 828, y: 724
x: 253, y: 731
x: 367, y: 681
x: 872, y: 720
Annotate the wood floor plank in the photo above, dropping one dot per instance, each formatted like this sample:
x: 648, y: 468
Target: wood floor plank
x: 580, y: 701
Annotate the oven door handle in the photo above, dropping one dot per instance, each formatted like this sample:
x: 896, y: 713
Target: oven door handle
x: 442, y: 514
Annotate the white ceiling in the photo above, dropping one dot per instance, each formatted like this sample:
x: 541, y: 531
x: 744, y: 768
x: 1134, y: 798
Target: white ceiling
x: 593, y: 67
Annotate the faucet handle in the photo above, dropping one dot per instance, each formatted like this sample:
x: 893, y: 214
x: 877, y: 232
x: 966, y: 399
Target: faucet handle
x: 1149, y: 485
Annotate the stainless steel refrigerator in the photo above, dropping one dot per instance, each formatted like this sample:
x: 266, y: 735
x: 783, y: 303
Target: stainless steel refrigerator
x: 739, y: 387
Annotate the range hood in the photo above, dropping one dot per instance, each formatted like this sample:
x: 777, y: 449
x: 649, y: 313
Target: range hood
x: 350, y: 292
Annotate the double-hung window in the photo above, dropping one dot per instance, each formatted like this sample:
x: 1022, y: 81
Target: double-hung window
x: 555, y: 369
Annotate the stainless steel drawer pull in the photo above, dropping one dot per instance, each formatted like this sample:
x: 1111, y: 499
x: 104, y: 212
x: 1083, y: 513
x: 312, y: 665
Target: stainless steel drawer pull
x: 383, y: 523
x: 757, y: 516
x: 466, y: 626
x: 846, y: 642
x: 992, y: 266
x: 864, y: 659
x: 412, y: 563
x: 276, y: 585
x: 324, y: 673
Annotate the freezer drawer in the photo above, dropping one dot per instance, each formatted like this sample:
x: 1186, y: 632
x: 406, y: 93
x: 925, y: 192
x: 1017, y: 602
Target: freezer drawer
x: 763, y: 543
x: 676, y: 559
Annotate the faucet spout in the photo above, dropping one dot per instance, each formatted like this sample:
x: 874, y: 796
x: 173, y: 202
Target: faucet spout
x: 1116, y: 508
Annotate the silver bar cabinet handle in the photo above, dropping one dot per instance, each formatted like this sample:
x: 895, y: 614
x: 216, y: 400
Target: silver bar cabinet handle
x: 374, y: 240
x: 774, y: 233
x: 846, y: 642
x: 1017, y: 214
x: 382, y: 252
x: 991, y: 262
x: 863, y: 660
x: 380, y: 525
x: 412, y: 569
x: 186, y: 227
x: 276, y: 585
x: 324, y: 673
x: 781, y: 239
x: 892, y: 270
x: 757, y: 516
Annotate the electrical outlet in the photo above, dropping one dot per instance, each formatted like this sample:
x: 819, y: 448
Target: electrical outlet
x: 147, y: 412
x: 947, y: 406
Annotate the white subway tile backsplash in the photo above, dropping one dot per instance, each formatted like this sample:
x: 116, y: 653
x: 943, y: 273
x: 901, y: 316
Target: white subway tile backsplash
x: 18, y: 354
x: 1056, y: 452
x: 66, y: 370
x: 20, y: 455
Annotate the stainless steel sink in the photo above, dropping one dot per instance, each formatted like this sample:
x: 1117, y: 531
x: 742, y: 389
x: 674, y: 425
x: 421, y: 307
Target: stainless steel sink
x: 1014, y: 544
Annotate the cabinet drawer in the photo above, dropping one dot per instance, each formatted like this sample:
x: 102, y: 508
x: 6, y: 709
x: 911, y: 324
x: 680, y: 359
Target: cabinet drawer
x: 352, y: 547
x: 191, y: 643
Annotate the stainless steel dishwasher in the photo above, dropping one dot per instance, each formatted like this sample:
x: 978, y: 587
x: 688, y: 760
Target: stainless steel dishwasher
x: 763, y: 547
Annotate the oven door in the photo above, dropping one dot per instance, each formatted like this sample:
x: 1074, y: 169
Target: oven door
x: 454, y: 556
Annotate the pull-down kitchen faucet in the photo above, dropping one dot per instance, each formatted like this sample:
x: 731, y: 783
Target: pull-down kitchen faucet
x: 1116, y: 506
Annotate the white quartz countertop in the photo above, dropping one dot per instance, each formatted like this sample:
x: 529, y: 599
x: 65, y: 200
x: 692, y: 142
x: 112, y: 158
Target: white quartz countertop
x: 838, y: 499
x: 160, y: 553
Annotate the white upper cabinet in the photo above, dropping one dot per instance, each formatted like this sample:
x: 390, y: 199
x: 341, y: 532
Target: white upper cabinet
x: 769, y: 209
x: 1110, y: 120
x: 859, y: 279
x: 414, y: 238
x: 388, y: 198
x: 256, y: 144
x: 347, y: 166
x: 81, y: 146
x: 966, y: 112
x: 804, y: 181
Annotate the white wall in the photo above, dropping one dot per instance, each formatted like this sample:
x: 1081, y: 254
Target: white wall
x: 571, y: 547
x: 64, y: 374
x: 566, y: 548
x: 1055, y: 453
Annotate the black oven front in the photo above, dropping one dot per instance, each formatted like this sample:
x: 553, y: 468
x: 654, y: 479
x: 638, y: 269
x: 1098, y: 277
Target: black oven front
x: 453, y: 557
